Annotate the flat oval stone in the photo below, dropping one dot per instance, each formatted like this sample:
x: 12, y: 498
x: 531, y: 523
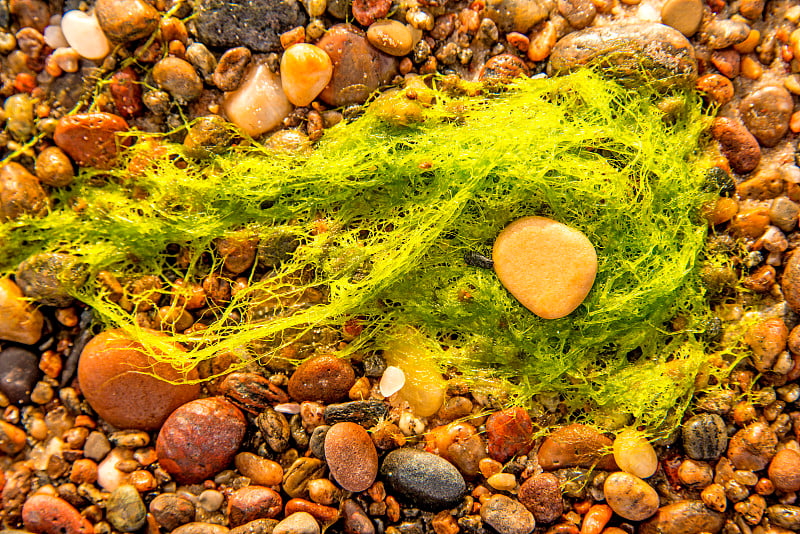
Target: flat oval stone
x: 45, y: 514
x: 178, y: 78
x: 634, y: 454
x: 390, y: 37
x: 547, y: 266
x: 251, y: 503
x: 766, y: 113
x: 683, y: 15
x: 737, y: 144
x: 351, y: 456
x: 91, y: 139
x: 19, y: 320
x: 327, y: 378
x: 507, y: 516
x: 83, y: 33
x: 259, y: 104
x: 576, y: 446
x: 19, y: 370
x: 125, y: 509
x: 541, y: 495
x: 630, y: 496
x: 682, y: 517
x: 705, y: 437
x: 428, y: 480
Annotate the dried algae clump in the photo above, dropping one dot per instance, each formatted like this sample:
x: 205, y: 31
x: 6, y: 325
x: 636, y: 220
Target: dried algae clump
x: 372, y: 228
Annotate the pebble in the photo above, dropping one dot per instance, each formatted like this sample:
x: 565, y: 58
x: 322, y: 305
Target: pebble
x: 54, y: 37
x: 251, y: 503
x: 509, y: 433
x: 252, y: 392
x: 231, y: 68
x: 358, y: 67
x: 125, y: 509
x: 723, y: 33
x: 322, y: 491
x: 626, y: 51
x: 391, y: 37
x: 110, y: 381
x: 790, y: 284
x: 305, y: 71
x: 737, y: 144
x: 705, y: 437
x: 12, y: 439
x: 45, y: 514
x: 507, y: 516
x: 210, y: 500
x: 541, y: 494
x: 126, y: 92
x: 351, y: 456
x: 503, y: 68
x: 259, y: 526
x: 201, y: 59
x: 54, y: 168
x: 300, y: 474
x: 256, y: 24
x: 426, y: 479
x: 784, y: 516
x: 19, y: 371
x: 766, y: 113
x: 20, y: 193
x: 171, y: 510
x: 518, y: 15
x: 695, y: 474
x: 208, y: 135
x: 50, y: 277
x: 326, y: 378
x: 297, y: 523
x: 579, y: 13
x: 548, y: 266
x: 752, y: 447
x: 630, y: 496
x: 714, y: 497
x: 91, y: 139
x: 109, y: 477
x: 634, y: 454
x: 259, y: 104
x: 201, y: 528
x: 425, y: 387
x: 20, y: 321
x: 596, y: 518
x: 783, y: 213
x: 683, y: 15
x: 261, y: 471
x: 30, y: 13
x: 751, y: 9
x: 178, y: 77
x: 200, y: 438
x: 19, y: 115
x: 126, y: 20
x: 356, y: 520
x: 767, y: 340
x: 84, y: 35
x: 682, y: 517
x: 323, y: 514
x: 784, y: 470
x: 576, y: 446
x: 717, y: 86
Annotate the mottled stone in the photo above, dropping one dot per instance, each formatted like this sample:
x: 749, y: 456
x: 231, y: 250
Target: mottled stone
x: 784, y: 470
x: 51, y: 277
x: 683, y: 517
x: 705, y: 437
x: 683, y: 15
x: 171, y: 510
x: 20, y: 193
x: 178, y: 78
x: 630, y: 497
x: 766, y: 113
x: 518, y: 15
x: 752, y: 447
x: 54, y: 168
x: 576, y: 446
x: 251, y: 503
x: 126, y: 20
x: 429, y: 481
x: 231, y: 68
x: 737, y: 144
x: 507, y: 516
x: 351, y: 456
x: 20, y: 321
x: 541, y: 495
x: 366, y: 413
x: 297, y: 523
x: 509, y: 433
x: 45, y: 514
x: 91, y: 139
x: 579, y: 13
x: 790, y: 283
x: 784, y: 516
x: 326, y: 378
x: 125, y: 509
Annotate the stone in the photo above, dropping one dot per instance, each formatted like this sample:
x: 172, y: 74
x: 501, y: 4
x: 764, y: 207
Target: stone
x: 259, y: 526
x: 323, y: 514
x: 630, y: 496
x: 45, y: 514
x: 767, y: 340
x: 351, y: 456
x: 576, y: 446
x: 634, y: 454
x: 507, y: 516
x: 783, y: 213
x: 466, y: 454
x: 683, y: 15
x: 766, y: 113
x: 626, y: 51
x: 109, y: 374
x: 20, y: 193
x: 546, y: 265
x: 737, y: 144
x: 695, y: 474
x: 366, y: 413
x: 19, y: 371
x: 326, y: 378
x: 251, y: 391
x: 705, y: 437
x: 12, y: 439
x: 178, y: 77
x: 719, y: 34
x: 199, y: 527
x: 305, y: 71
x: 259, y: 104
x: 54, y: 168
x: 257, y: 24
x: 96, y: 446
x: 368, y: 11
x: 84, y: 35
x: 784, y: 516
x: 390, y: 37
x: 790, y: 283
x: 297, y: 523
x: 171, y: 510
x: 682, y: 517
x: 126, y: 20
x: 427, y: 480
x: 91, y: 139
x: 356, y: 520
x: 208, y: 135
x: 109, y: 476
x: 509, y: 433
x: 126, y: 92
x: 231, y: 68
x: 784, y: 471
x: 518, y: 15
x: 125, y: 509
x: 20, y: 322
x: 503, y: 68
x: 718, y: 87
x: 50, y: 277
x: 251, y: 503
x: 752, y: 447
x: 300, y: 473
x: 579, y: 13
x: 261, y: 471
x: 30, y: 13
x: 200, y: 438
x: 19, y: 115
x: 714, y: 497
x: 541, y: 494
x: 358, y: 67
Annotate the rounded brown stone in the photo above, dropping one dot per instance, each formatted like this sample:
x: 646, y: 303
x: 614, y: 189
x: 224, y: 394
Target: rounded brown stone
x: 351, y: 456
x: 126, y: 20
x: 683, y: 15
x: 630, y: 496
x: 110, y: 372
x: 503, y: 68
x: 45, y: 514
x: 541, y: 495
x: 576, y: 446
x: 231, y: 68
x: 19, y: 320
x: 91, y: 139
x: 20, y: 193
x: 718, y: 87
x: 784, y: 471
x: 178, y: 78
x: 737, y: 144
x: 766, y: 113
x: 767, y: 339
x: 54, y: 168
x: 251, y: 503
x: 200, y: 439
x: 682, y: 517
x: 579, y: 13
x: 171, y: 510
x: 790, y: 283
x: 752, y: 447
x: 326, y: 378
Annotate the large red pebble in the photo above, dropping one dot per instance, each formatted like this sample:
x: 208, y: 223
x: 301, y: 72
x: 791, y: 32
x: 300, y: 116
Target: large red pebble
x: 45, y: 514
x: 91, y: 139
x: 509, y: 433
x: 351, y: 456
x: 200, y: 439
x: 251, y: 503
x: 110, y: 372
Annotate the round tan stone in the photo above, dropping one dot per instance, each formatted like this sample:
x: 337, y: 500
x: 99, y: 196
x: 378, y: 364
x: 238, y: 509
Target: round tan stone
x: 112, y: 372
x: 548, y: 266
x: 630, y: 497
x: 683, y: 15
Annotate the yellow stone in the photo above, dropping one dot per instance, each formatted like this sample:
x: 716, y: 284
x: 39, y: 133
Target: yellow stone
x: 634, y: 454
x: 424, y: 387
x: 547, y: 266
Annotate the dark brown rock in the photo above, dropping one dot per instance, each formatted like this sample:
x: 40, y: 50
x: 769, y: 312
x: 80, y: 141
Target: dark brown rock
x: 200, y: 439
x: 171, y: 510
x: 356, y: 520
x: 126, y: 20
x: 231, y: 68
x: 576, y: 446
x: 752, y: 447
x: 20, y: 193
x: 45, y: 514
x: 351, y: 456
x: 326, y: 378
x: 300, y: 473
x: 19, y: 371
x: 109, y: 371
x: 251, y: 503
x: 252, y: 392
x: 518, y: 15
x: 541, y: 495
x: 18, y: 482
x: 30, y: 13
x: 54, y: 168
x: 509, y: 433
x: 91, y: 139
x: 579, y: 13
x: 766, y: 113
x: 51, y: 277
x: 737, y: 144
x: 503, y: 68
x: 683, y: 517
x: 784, y: 471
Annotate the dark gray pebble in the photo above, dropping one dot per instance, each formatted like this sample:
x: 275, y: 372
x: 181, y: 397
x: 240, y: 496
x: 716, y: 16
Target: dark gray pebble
x: 317, y: 441
x: 19, y: 371
x: 366, y: 413
x: 705, y: 437
x: 427, y: 480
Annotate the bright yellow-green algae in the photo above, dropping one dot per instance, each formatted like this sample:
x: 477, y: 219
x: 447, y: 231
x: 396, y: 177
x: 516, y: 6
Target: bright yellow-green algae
x: 385, y: 214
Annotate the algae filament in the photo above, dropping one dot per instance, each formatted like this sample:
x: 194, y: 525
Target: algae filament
x: 381, y: 216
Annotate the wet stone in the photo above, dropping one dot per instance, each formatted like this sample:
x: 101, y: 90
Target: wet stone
x: 783, y: 213
x: 178, y: 78
x: 791, y: 282
x: 467, y: 454
x: 275, y: 429
x: 171, y: 511
x: 252, y: 392
x: 683, y: 15
x: 49, y: 277
x: 251, y: 503
x: 541, y: 495
x: 125, y: 509
x: 579, y: 13
x: 20, y: 193
x: 724, y: 33
x: 630, y: 497
x: 201, y: 528
x: 518, y: 15
x: 356, y: 520
x: 126, y: 20
x: 231, y: 68
x: 784, y: 516
x: 297, y: 523
x: 12, y: 438
x: 300, y: 473
x: 126, y: 92
x: 317, y: 441
x: 30, y: 13
x: 19, y: 371
x: 576, y: 446
x: 365, y: 413
x: 507, y: 516
x: 682, y: 517
x: 20, y: 321
x: 208, y: 135
x: 368, y: 11
x: 351, y: 456
x: 391, y: 37
x: 427, y: 480
x: 96, y: 446
x: 705, y: 437
x: 737, y: 144
x: 91, y: 139
x: 259, y: 526
x: 752, y: 447
x: 45, y: 514
x: 54, y: 168
x: 503, y: 68
x: 326, y: 378
x: 260, y: 471
x: 784, y: 470
x: 509, y: 433
x: 766, y: 113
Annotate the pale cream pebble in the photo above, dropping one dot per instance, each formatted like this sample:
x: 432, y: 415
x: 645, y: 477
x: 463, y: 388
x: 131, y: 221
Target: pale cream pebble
x: 502, y: 481
x: 546, y: 265
x: 259, y: 104
x: 54, y: 37
x: 108, y: 476
x: 392, y: 381
x: 84, y: 35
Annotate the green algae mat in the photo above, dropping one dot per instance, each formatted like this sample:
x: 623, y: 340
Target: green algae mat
x: 367, y: 235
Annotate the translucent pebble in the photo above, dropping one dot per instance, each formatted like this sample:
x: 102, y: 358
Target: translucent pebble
x: 259, y: 104
x: 83, y: 33
x: 288, y: 408
x: 392, y: 381
x: 54, y: 37
x: 305, y: 71
x: 634, y: 454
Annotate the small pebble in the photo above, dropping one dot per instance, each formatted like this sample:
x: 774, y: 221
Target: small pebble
x: 391, y: 37
x: 54, y: 168
x: 231, y: 68
x: 45, y: 514
x: 297, y: 523
x: 737, y: 144
x: 576, y: 446
x: 509, y: 433
x: 326, y: 378
x: 752, y: 447
x: 630, y: 497
x: 683, y: 15
x: 126, y: 20
x: 91, y: 139
x: 714, y: 497
x: 507, y: 516
x: 634, y: 454
x: 260, y: 471
x: 784, y: 471
x: 178, y: 78
x: 305, y: 71
x: 541, y: 494
x: 705, y: 437
x: 171, y: 511
x: 251, y: 503
x: 351, y: 456
x: 84, y: 35
x: 20, y: 194
x: 426, y: 479
x: 579, y: 13
x: 392, y: 381
x: 20, y: 322
x: 259, y: 104
x: 682, y: 517
x: 125, y: 509
x: 766, y: 113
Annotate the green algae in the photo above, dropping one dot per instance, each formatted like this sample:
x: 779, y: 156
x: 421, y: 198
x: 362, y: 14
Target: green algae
x: 384, y: 213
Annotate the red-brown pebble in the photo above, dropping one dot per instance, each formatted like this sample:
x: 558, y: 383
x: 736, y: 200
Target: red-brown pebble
x: 368, y: 11
x: 20, y: 193
x: 45, y: 514
x: 323, y: 514
x: 110, y: 378
x: 251, y: 503
x: 351, y: 456
x: 576, y: 446
x: 509, y: 433
x: 326, y: 378
x: 784, y: 471
x: 767, y: 339
x: 127, y: 94
x: 541, y: 495
x: 737, y: 144
x: 12, y: 439
x: 91, y: 139
x: 752, y: 447
x: 200, y: 439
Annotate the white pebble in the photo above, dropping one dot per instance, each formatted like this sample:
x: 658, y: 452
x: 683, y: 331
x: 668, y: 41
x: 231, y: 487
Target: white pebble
x: 54, y: 37
x: 290, y: 408
x: 83, y: 33
x: 647, y: 12
x: 108, y: 476
x: 392, y: 381
x: 259, y: 104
